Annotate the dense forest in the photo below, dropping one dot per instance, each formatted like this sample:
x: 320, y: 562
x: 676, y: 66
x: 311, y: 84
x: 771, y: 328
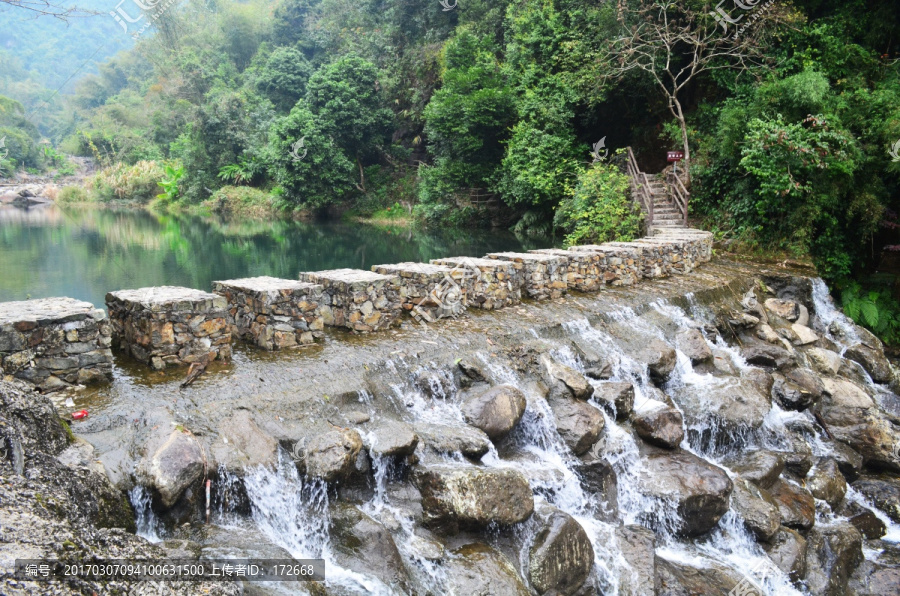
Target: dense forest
x: 489, y: 114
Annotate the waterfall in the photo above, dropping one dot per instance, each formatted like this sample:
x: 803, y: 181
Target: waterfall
x: 832, y: 323
x: 148, y: 525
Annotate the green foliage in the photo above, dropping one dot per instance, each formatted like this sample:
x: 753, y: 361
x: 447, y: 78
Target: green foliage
x: 600, y: 209
x: 283, y: 78
x: 135, y: 183
x: 876, y: 310
x: 243, y: 201
x: 174, y: 172
x: 73, y: 194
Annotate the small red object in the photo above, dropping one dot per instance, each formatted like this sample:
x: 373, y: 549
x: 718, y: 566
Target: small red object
x: 675, y: 155
x: 79, y: 414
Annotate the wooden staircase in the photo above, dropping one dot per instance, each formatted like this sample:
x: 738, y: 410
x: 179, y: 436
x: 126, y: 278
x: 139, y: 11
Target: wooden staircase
x: 664, y: 202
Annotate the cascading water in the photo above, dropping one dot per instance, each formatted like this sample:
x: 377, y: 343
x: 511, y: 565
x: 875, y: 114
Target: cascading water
x: 832, y: 322
x: 148, y: 525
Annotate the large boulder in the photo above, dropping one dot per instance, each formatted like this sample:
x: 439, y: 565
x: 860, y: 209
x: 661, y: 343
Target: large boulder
x: 478, y: 570
x: 803, y: 335
x: 244, y: 445
x: 756, y: 507
x: 726, y: 405
x: 699, y: 489
x: 447, y: 440
x: 616, y: 396
x: 363, y: 545
x: 826, y: 482
x: 598, y: 479
x: 578, y: 423
x: 661, y: 425
x: 791, y: 395
x: 883, y: 491
x: 659, y: 357
x: 331, y: 456
x: 864, y: 519
x: 496, y: 411
x: 786, y: 309
x: 833, y: 555
x: 853, y: 418
x: 694, y: 346
x: 391, y: 438
x: 796, y: 505
x: 879, y: 574
x: 873, y: 360
x: 561, y: 556
x: 461, y: 495
x: 808, y: 381
x: 638, y: 547
x: 682, y: 579
x: 768, y: 356
x: 787, y: 549
x: 761, y: 467
x: 576, y: 382
x: 33, y: 423
x: 824, y: 361
x: 176, y: 465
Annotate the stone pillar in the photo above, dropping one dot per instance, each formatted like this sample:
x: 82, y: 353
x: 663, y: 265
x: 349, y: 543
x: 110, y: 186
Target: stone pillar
x: 496, y: 284
x: 544, y: 275
x: 359, y: 300
x: 273, y: 313
x: 55, y: 342
x: 623, y: 262
x: 169, y: 325
x: 584, y: 270
x: 430, y: 292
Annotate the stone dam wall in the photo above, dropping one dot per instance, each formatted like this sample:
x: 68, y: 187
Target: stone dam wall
x: 56, y: 342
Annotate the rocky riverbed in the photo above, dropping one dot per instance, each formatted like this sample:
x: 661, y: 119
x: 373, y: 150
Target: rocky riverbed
x: 727, y: 430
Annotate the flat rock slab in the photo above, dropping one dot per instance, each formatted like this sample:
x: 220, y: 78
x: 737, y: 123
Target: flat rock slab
x: 168, y: 297
x: 346, y: 279
x: 266, y: 285
x: 47, y: 311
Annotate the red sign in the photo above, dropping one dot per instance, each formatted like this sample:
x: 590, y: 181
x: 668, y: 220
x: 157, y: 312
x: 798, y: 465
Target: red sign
x: 675, y: 155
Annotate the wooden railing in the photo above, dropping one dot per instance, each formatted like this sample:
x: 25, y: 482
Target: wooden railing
x: 640, y: 187
x: 680, y: 195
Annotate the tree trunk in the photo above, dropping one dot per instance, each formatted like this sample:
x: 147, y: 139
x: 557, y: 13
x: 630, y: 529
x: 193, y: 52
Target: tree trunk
x: 679, y: 115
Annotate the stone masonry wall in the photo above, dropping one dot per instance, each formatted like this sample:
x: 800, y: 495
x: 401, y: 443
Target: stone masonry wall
x: 623, y: 263
x: 170, y: 326
x: 55, y: 342
x: 431, y: 292
x: 359, y: 300
x: 273, y: 313
x: 544, y: 275
x: 496, y: 284
x: 584, y: 271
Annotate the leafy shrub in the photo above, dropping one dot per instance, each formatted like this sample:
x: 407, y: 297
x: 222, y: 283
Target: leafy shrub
x: 169, y: 184
x: 600, y: 209
x: 73, y: 194
x: 876, y: 310
x: 244, y: 201
x: 139, y: 182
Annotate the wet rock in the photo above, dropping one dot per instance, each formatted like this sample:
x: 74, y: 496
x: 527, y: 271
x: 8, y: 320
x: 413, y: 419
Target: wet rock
x: 853, y: 418
x: 467, y: 440
x: 864, y: 520
x: 361, y: 544
x: 576, y: 382
x: 873, y: 360
x: 496, y: 411
x: 826, y: 482
x: 478, y: 570
x: 598, y: 478
x: 678, y: 579
x: 470, y: 496
x: 727, y: 405
x: 174, y: 466
x: 757, y: 508
x: 740, y: 319
x: 32, y: 422
x: 618, y: 395
x: 436, y: 384
x: 662, y: 426
x: 787, y: 549
x: 795, y: 503
x: 578, y: 423
x: 660, y: 359
x: 561, y: 556
x: 767, y: 334
x: 762, y: 380
x: 768, y: 356
x: 638, y: 547
x: 791, y: 395
x: 834, y: 553
x: 694, y: 346
x: 700, y: 489
x: 786, y: 309
x: 799, y: 459
x: 808, y: 381
x: 332, y: 456
x: 599, y: 373
x: 244, y: 445
x: 803, y: 335
x: 878, y: 575
x: 391, y: 439
x: 883, y: 492
x: 824, y: 361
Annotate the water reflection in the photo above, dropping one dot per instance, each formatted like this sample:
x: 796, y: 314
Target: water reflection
x: 86, y: 252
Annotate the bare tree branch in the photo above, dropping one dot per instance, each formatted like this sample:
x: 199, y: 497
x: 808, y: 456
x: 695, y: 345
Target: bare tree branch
x: 49, y: 8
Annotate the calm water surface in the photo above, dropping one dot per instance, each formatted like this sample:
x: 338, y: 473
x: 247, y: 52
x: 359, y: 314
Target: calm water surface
x: 85, y: 252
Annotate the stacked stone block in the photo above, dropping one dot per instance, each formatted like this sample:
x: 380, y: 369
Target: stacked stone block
x: 55, y: 342
x: 360, y: 300
x: 623, y: 262
x: 431, y: 292
x: 170, y: 325
x: 699, y: 242
x: 273, y: 313
x: 584, y: 271
x: 495, y: 284
x: 545, y: 275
